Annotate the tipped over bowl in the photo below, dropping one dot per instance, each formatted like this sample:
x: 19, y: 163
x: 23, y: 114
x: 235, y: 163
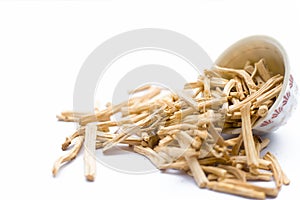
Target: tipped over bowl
x: 253, y: 49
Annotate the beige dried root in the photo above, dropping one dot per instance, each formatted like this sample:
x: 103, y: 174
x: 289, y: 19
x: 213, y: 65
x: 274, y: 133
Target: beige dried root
x: 248, y: 141
x: 184, y: 131
x: 240, y: 190
x: 90, y: 152
x: 69, y: 156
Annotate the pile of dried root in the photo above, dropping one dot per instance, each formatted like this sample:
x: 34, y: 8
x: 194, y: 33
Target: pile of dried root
x: 185, y: 131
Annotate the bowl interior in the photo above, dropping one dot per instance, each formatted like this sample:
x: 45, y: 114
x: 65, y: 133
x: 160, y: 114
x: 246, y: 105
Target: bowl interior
x: 253, y: 49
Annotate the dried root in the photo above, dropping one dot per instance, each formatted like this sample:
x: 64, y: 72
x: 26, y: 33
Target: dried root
x: 183, y: 131
x: 69, y: 156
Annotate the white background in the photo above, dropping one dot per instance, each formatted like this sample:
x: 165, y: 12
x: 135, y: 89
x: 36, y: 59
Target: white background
x: 42, y: 47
